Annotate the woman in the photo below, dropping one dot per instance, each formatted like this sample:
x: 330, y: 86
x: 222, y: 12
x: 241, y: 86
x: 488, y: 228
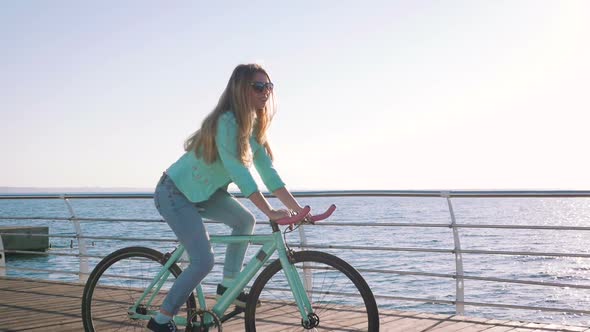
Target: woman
x: 231, y: 137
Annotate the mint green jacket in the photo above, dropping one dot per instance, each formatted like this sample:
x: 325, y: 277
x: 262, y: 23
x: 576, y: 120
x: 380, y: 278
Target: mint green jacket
x: 198, y: 180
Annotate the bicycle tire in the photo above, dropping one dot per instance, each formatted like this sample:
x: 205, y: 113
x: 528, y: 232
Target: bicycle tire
x: 278, y: 311
x: 106, y: 298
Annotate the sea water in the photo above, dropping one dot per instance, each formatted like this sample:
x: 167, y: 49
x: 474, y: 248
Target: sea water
x: 372, y: 212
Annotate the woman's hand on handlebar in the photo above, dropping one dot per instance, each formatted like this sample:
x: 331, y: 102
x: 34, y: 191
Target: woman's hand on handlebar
x: 278, y: 214
x: 299, y: 210
x: 306, y: 216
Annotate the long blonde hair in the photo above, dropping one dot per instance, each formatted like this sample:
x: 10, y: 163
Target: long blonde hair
x: 235, y: 98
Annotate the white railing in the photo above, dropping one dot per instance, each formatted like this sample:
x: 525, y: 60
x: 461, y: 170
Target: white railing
x: 459, y: 277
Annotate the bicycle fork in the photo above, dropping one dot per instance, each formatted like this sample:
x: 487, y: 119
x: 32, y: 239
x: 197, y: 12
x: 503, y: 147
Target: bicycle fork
x: 301, y: 293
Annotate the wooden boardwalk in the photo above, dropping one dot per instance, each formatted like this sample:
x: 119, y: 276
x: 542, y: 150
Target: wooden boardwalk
x: 39, y: 305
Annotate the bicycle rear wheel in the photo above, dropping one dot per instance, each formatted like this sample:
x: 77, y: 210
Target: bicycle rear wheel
x: 117, y: 282
x: 340, y: 297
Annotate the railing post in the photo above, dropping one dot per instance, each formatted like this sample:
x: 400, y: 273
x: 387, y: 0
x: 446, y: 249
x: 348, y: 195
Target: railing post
x: 302, y: 237
x: 82, y: 250
x: 459, y: 286
x: 2, y: 258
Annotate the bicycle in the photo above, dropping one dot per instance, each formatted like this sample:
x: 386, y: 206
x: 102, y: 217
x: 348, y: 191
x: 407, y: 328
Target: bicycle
x: 305, y: 290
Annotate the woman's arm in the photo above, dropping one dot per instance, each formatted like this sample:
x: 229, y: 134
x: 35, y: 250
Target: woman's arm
x: 287, y: 198
x: 271, y: 178
x: 262, y: 204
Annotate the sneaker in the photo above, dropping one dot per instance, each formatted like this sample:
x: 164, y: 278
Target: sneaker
x: 240, y: 301
x: 166, y: 327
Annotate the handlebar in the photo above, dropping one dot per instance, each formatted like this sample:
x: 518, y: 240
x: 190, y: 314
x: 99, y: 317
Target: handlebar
x: 300, y: 217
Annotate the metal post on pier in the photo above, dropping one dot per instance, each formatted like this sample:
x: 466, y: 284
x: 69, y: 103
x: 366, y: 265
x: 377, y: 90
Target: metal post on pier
x: 82, y: 250
x: 302, y: 237
x: 2, y: 258
x: 459, y: 286
x: 308, y: 284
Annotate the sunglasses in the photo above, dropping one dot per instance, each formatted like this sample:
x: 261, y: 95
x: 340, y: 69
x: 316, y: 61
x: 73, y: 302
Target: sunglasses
x: 261, y: 86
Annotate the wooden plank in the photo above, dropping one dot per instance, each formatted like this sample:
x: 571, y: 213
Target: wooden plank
x: 39, y: 305
x: 498, y: 329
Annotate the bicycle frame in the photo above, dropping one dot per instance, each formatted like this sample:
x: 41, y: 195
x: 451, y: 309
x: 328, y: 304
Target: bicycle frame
x: 270, y: 243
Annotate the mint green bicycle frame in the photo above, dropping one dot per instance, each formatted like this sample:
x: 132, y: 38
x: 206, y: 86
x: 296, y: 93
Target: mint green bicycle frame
x: 270, y: 243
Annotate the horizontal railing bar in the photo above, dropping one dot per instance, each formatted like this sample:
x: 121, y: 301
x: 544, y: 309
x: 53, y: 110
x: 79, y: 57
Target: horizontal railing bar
x: 438, y: 225
x: 381, y: 224
x: 481, y: 304
x: 39, y: 253
x: 115, y: 238
x: 333, y: 223
x: 532, y: 227
x: 454, y: 276
x: 464, y: 251
x: 433, y: 225
x: 336, y: 193
x: 524, y: 307
x: 52, y: 253
x: 44, y: 270
x: 78, y: 219
x: 446, y: 193
x: 127, y: 239
x: 522, y: 253
x: 452, y: 251
x: 128, y: 277
x: 414, y: 273
x: 80, y: 195
x: 413, y: 299
x: 108, y: 219
x: 526, y: 282
x: 36, y: 218
x: 40, y: 235
x: 329, y: 246
x: 48, y: 253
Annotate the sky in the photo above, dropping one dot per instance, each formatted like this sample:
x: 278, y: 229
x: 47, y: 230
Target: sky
x: 394, y: 95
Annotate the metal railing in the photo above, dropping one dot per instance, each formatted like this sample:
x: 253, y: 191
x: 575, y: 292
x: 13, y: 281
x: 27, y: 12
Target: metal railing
x: 458, y: 252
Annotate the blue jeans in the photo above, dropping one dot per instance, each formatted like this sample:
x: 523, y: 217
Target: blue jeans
x: 186, y: 220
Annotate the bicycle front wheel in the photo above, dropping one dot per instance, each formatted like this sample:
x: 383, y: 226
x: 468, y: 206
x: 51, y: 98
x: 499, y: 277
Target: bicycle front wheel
x: 117, y: 282
x: 340, y: 297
